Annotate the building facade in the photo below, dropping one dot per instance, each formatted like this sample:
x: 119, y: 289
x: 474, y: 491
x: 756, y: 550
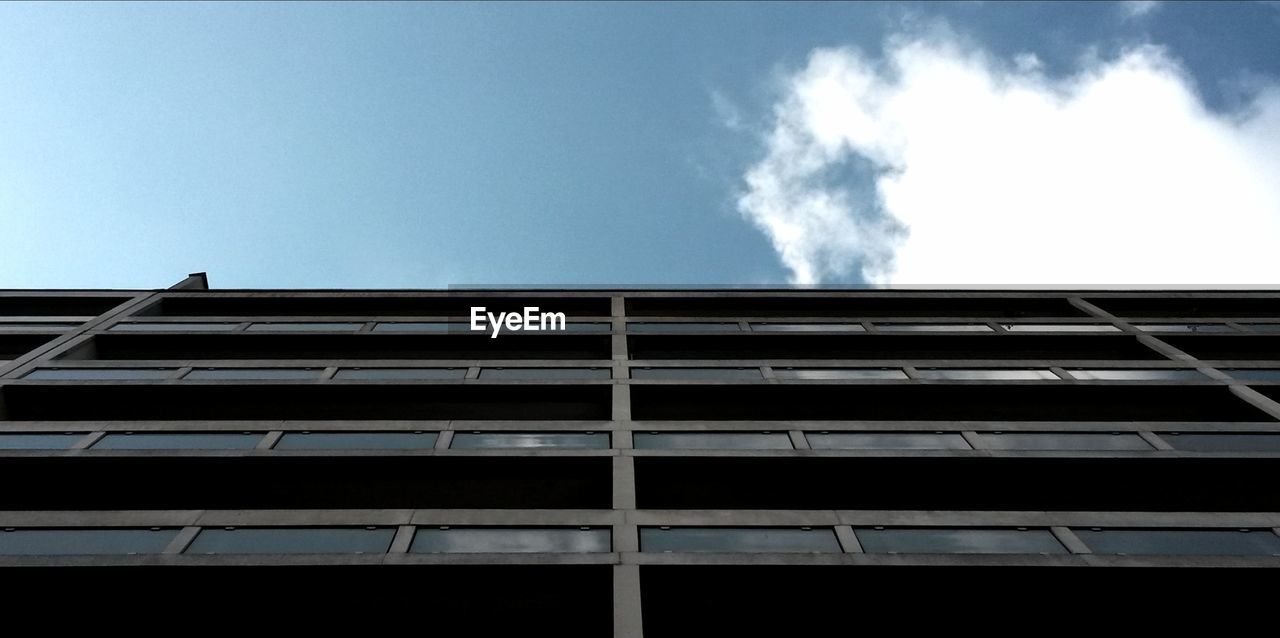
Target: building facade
x: 672, y: 463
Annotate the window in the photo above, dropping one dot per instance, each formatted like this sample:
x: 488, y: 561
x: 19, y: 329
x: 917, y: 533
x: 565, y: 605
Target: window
x: 500, y: 440
x: 1059, y: 327
x: 1263, y: 327
x: 544, y: 373
x: 697, y: 373
x: 933, y: 327
x: 882, y: 540
x: 35, y: 327
x: 988, y: 375
x: 587, y: 327
x: 712, y: 441
x: 56, y: 441
x: 807, y: 327
x: 292, y: 540
x: 257, y: 374
x: 886, y: 441
x: 839, y: 373
x: 98, y: 374
x: 738, y: 539
x: 510, y: 540
x: 1063, y: 441
x: 70, y: 542
x: 174, y: 327
x: 179, y: 441
x: 327, y: 326
x: 1138, y: 375
x: 1205, y: 542
x: 424, y: 326
x: 1184, y: 327
x: 406, y: 374
x: 1223, y: 442
x: 681, y: 327
x: 1254, y: 374
x: 357, y: 441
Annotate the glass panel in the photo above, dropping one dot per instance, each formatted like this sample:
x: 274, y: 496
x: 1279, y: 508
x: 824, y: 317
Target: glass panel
x: 886, y: 441
x: 496, y: 440
x: 54, y: 441
x: 807, y: 327
x: 1060, y: 327
x: 1263, y: 327
x: 1138, y: 375
x: 357, y: 440
x: 696, y: 373
x: 958, y: 541
x: 712, y: 441
x: 588, y: 327
x: 306, y: 327
x: 401, y: 373
x: 681, y: 327
x: 839, y: 373
x: 292, y: 540
x: 174, y: 327
x: 1204, y: 542
x: 1184, y: 327
x: 989, y: 375
x: 933, y: 327
x: 1063, y: 441
x: 67, y: 542
x: 252, y: 373
x: 545, y: 373
x: 738, y: 539
x: 509, y: 540
x: 424, y: 326
x: 1241, y: 442
x: 175, y: 441
x: 97, y: 374
x: 1256, y: 374
x: 32, y: 327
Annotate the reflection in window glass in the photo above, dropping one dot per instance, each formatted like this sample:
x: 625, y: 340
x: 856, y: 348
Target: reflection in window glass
x: 738, y: 539
x: 1263, y: 327
x: 807, y: 327
x: 988, y: 375
x: 681, y: 327
x: 498, y: 440
x: 178, y: 441
x: 424, y: 326
x: 1184, y: 327
x: 1060, y: 327
x: 958, y: 541
x: 510, y: 540
x: 886, y: 441
x: 544, y: 373
x: 54, y: 441
x: 696, y: 373
x: 327, y: 326
x: 357, y: 441
x: 1063, y: 441
x: 839, y: 373
x: 209, y: 374
x: 1223, y: 442
x: 933, y: 327
x: 1138, y: 375
x: 1254, y: 374
x: 71, y: 542
x: 712, y: 441
x: 292, y: 540
x: 1203, y: 542
x: 408, y: 374
x: 174, y: 327
x: 98, y: 374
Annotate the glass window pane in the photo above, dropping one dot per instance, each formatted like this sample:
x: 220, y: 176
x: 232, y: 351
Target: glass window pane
x: 54, y: 441
x: 509, y: 540
x: 357, y: 441
x: 807, y: 327
x: 839, y: 373
x: 498, y: 440
x: 1204, y: 542
x: 306, y: 327
x: 1184, y: 327
x: 176, y: 441
x: 407, y: 374
x: 292, y: 540
x: 1263, y: 327
x: 1060, y: 327
x: 641, y: 326
x: 886, y: 441
x: 712, y: 441
x: 988, y: 375
x: 98, y: 374
x: 1063, y: 441
x: 36, y: 327
x: 696, y: 373
x: 1234, y: 442
x: 958, y: 541
x: 69, y: 542
x: 1138, y: 375
x: 933, y: 327
x: 738, y: 539
x: 173, y: 327
x: 209, y: 374
x: 587, y: 327
x: 424, y: 326
x: 545, y: 373
x: 1254, y: 374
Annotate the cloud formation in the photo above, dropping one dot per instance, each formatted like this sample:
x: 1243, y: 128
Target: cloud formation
x: 943, y: 165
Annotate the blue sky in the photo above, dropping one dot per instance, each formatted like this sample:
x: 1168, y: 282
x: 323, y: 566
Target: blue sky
x: 426, y: 145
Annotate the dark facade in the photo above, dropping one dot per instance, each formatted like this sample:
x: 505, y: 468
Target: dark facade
x: 676, y: 462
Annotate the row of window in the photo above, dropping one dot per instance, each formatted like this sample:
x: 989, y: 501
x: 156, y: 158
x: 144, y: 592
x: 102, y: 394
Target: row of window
x: 1030, y: 441
x: 582, y: 540
x: 643, y: 373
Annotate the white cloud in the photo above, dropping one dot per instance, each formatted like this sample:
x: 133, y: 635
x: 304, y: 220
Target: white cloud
x: 1138, y: 8
x: 983, y: 171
